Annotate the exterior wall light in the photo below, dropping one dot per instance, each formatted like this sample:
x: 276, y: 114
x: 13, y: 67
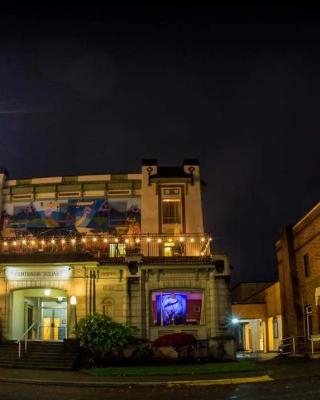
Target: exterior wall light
x: 235, y: 321
x: 73, y: 301
x: 47, y: 292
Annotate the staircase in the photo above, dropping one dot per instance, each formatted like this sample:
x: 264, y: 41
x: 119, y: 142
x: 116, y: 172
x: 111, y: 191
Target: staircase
x: 39, y: 355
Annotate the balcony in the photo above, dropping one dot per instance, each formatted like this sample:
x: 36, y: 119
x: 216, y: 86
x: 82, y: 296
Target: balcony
x: 111, y: 247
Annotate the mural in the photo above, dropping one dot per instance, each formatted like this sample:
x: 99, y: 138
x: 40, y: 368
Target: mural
x: 114, y: 216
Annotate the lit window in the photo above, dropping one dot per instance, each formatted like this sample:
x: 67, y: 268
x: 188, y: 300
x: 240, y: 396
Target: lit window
x: 275, y: 328
x: 176, y: 307
x: 117, y: 250
x: 171, y: 211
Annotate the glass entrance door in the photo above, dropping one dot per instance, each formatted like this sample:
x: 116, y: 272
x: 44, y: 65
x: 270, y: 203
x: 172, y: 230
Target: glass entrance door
x: 53, y: 320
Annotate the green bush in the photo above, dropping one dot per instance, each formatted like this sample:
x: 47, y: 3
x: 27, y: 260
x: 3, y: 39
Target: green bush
x: 101, y: 335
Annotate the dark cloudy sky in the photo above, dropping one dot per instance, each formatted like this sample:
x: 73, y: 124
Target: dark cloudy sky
x: 92, y: 89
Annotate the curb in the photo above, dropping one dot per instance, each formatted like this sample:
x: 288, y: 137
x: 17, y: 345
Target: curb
x: 201, y: 382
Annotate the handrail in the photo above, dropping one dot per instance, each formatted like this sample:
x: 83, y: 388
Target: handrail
x: 24, y: 336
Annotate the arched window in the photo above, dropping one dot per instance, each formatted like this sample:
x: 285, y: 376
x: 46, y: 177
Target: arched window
x: 108, y: 307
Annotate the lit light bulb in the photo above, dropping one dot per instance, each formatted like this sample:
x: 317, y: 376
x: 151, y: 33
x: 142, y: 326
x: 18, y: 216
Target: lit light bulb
x: 5, y: 244
x: 43, y: 242
x: 170, y: 239
x: 203, y: 239
x: 148, y: 240
x: 159, y: 240
x: 181, y: 239
x: 14, y: 243
x: 192, y: 240
x: 116, y: 240
x: 53, y: 241
x: 73, y: 241
x: 63, y: 241
x: 83, y: 240
x: 33, y: 242
x: 24, y: 242
x: 105, y: 240
x: 127, y: 240
x: 137, y: 240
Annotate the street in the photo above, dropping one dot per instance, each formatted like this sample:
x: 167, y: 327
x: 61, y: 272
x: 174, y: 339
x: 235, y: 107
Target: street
x: 304, y: 388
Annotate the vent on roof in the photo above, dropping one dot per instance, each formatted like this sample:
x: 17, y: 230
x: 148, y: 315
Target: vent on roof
x: 68, y: 194
x: 22, y: 196
x: 124, y: 192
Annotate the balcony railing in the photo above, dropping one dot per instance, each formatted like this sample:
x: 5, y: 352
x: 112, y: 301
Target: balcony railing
x: 151, y: 245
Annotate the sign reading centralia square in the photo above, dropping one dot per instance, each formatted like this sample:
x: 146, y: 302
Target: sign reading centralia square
x: 39, y: 273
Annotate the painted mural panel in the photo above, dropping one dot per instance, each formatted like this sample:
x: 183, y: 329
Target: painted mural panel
x: 121, y: 216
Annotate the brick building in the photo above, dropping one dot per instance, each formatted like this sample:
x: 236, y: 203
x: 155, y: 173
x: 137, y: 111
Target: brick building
x: 298, y: 257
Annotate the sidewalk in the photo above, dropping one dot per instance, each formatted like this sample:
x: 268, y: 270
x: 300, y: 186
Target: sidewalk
x: 79, y: 378
x: 268, y: 370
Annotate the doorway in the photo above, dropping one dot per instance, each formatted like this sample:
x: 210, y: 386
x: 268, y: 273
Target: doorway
x: 43, y: 311
x: 53, y: 323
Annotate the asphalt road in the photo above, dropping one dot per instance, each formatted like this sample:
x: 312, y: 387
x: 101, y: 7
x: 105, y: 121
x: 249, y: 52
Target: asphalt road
x: 285, y: 389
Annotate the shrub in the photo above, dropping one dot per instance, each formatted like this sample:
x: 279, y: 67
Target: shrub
x: 101, y: 335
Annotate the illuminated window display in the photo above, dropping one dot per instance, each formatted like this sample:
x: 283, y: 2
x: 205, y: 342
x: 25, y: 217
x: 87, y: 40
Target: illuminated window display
x: 176, y: 307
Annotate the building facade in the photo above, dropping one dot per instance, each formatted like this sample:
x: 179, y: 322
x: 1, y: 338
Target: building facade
x: 256, y: 309
x: 298, y: 257
x: 131, y: 246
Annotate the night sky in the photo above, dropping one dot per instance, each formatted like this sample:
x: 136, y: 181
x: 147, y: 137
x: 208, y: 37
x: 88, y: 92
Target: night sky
x: 87, y: 90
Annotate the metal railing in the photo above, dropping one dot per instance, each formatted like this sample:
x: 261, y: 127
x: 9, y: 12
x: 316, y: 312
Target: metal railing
x: 25, y: 338
x: 294, y: 345
x: 191, y: 244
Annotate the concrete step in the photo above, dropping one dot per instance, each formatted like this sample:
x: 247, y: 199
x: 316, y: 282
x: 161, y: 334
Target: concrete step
x: 39, y: 355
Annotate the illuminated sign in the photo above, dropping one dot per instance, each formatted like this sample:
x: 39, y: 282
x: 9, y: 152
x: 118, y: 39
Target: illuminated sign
x: 40, y: 273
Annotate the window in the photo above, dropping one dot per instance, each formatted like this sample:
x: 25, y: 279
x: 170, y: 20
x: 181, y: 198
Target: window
x: 171, y: 211
x: 179, y: 307
x: 117, y: 250
x: 275, y: 328
x: 108, y: 308
x: 308, y: 321
x: 306, y: 265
